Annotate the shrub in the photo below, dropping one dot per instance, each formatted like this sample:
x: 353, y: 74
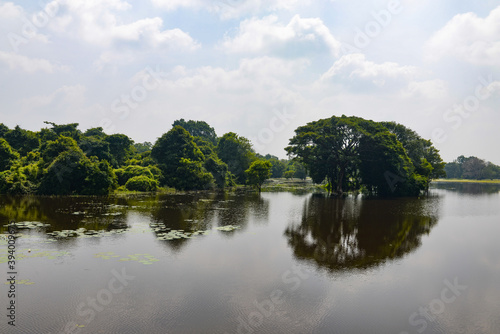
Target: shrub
x: 141, y: 183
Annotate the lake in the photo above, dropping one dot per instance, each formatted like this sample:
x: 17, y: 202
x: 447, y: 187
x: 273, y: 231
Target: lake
x: 249, y: 263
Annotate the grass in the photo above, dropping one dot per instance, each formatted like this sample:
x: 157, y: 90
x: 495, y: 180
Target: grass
x: 467, y: 181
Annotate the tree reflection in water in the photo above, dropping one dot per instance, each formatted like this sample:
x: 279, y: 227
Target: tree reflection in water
x: 346, y: 233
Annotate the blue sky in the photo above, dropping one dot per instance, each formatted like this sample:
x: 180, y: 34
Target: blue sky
x: 258, y: 68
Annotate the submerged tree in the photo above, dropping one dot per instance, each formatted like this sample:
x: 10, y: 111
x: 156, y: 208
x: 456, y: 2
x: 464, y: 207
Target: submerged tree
x: 350, y: 152
x: 258, y: 172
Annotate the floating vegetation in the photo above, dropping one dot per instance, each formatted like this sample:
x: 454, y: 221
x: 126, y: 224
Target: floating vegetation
x: 106, y: 255
x: 33, y: 253
x: 29, y: 225
x: 227, y: 228
x: 84, y: 233
x: 180, y: 234
x: 166, y: 233
x: 22, y: 282
x: 141, y: 258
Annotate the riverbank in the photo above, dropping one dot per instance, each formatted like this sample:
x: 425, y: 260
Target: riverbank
x: 467, y: 181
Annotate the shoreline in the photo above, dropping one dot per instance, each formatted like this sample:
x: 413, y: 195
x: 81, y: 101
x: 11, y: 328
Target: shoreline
x: 466, y: 181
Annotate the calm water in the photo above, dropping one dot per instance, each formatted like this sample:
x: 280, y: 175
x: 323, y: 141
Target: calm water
x: 286, y: 264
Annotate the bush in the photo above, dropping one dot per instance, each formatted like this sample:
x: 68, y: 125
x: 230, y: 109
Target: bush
x: 141, y: 183
x: 125, y: 174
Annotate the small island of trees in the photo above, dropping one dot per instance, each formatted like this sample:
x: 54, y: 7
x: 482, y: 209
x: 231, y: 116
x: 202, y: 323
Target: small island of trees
x: 345, y: 154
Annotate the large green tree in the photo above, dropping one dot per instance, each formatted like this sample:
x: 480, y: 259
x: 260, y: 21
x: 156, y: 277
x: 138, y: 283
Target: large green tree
x: 236, y: 151
x: 198, y: 129
x: 349, y: 152
x: 120, y: 147
x: 176, y: 152
x: 258, y: 172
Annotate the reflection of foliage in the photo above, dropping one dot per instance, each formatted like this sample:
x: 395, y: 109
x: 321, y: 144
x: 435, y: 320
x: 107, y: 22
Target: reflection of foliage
x: 352, y: 233
x: 192, y: 212
x: 64, y: 213
x: 469, y: 188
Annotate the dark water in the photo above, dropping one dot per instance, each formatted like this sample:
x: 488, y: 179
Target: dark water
x: 294, y: 264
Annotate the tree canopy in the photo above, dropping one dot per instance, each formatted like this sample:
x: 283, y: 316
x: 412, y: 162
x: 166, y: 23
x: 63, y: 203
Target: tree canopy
x: 351, y: 153
x: 258, y: 172
x: 344, y: 153
x: 471, y: 168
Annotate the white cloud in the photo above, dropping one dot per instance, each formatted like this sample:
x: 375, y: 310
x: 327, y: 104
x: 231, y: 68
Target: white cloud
x: 65, y: 97
x: 98, y: 23
x: 355, y: 72
x: 469, y: 38
x: 30, y: 65
x: 430, y: 89
x: 300, y: 37
x: 230, y: 8
x: 9, y: 10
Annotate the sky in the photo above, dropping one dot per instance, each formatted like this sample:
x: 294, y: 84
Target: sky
x: 257, y: 68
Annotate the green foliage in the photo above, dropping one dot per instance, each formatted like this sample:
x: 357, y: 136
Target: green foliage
x: 67, y: 130
x: 120, y: 147
x: 420, y: 151
x: 237, y: 153
x: 198, y: 129
x: 143, y: 147
x: 219, y: 171
x: 73, y: 173
x: 168, y: 151
x: 3, y: 130
x: 52, y: 149
x: 191, y: 175
x: 23, y: 141
x: 385, y: 168
x: 278, y: 166
x: 14, y: 182
x: 95, y: 132
x: 297, y: 170
x: 258, y: 172
x: 95, y: 146
x: 289, y: 174
x: 100, y: 178
x: 349, y: 152
x: 7, y: 155
x: 126, y: 173
x: 141, y: 183
x: 471, y: 168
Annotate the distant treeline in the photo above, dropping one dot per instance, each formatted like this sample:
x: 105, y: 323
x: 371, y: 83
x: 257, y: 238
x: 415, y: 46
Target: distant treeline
x: 471, y: 168
x: 62, y: 160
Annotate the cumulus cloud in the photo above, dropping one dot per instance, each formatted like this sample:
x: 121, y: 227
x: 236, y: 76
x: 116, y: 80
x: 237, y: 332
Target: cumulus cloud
x: 9, y: 10
x: 98, y: 23
x: 469, y: 38
x: 300, y: 37
x: 29, y: 65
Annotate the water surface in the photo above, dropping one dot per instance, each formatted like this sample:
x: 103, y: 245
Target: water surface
x: 285, y: 263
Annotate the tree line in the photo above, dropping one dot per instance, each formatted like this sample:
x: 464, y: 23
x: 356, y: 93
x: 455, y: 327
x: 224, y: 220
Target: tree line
x: 471, y: 168
x: 60, y: 159
x: 343, y: 153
